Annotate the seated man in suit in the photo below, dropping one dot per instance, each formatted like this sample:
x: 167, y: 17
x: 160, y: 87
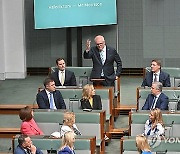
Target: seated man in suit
x: 26, y: 146
x: 61, y: 76
x: 50, y: 98
x: 156, y: 99
x: 156, y: 75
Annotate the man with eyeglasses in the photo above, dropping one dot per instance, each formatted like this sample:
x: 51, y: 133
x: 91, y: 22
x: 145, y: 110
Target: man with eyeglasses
x: 103, y: 58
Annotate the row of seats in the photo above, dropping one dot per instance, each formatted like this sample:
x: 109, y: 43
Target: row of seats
x: 89, y: 123
x: 172, y: 93
x: 83, y: 144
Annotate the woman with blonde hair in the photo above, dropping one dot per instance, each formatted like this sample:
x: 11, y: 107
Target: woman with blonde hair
x: 142, y: 145
x: 89, y: 99
x: 154, y: 126
x: 67, y: 143
x: 69, y: 124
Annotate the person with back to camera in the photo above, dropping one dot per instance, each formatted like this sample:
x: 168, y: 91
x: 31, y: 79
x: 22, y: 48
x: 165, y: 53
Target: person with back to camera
x: 156, y: 74
x: 62, y: 76
x: 69, y: 124
x: 89, y: 99
x: 68, y: 140
x: 142, y: 145
x: 50, y: 98
x: 29, y: 126
x: 154, y: 126
x: 156, y: 99
x: 103, y: 58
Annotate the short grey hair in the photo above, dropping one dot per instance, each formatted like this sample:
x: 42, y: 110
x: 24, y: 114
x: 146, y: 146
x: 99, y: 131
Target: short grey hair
x: 158, y: 85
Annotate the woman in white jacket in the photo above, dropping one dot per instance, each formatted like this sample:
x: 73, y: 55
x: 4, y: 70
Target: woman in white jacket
x: 69, y: 124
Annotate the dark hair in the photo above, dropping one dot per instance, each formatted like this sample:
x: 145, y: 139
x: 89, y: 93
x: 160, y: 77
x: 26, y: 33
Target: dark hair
x: 59, y: 59
x: 25, y: 113
x: 22, y: 138
x: 157, y: 61
x: 47, y: 81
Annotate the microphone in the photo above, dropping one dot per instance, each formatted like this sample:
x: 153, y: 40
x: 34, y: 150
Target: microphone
x: 60, y: 125
x: 84, y: 73
x: 75, y: 96
x: 171, y: 129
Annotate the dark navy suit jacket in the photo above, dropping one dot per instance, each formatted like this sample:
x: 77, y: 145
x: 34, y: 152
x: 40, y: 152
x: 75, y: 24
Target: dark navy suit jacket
x: 20, y: 150
x: 97, y: 105
x: 70, y: 79
x: 108, y: 67
x: 43, y: 101
x: 161, y: 103
x: 164, y: 78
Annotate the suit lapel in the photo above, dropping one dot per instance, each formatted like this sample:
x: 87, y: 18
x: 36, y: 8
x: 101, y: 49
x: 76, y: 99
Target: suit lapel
x: 46, y: 98
x: 57, y: 74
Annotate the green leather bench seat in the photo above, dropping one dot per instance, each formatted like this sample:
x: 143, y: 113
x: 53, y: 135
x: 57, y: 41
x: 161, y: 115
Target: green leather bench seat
x: 83, y: 144
x: 138, y: 120
x: 89, y: 123
x: 142, y: 94
x: 67, y: 94
x: 129, y: 145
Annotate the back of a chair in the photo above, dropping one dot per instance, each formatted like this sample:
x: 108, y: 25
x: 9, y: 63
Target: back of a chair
x: 89, y: 123
x: 82, y: 144
x: 128, y: 146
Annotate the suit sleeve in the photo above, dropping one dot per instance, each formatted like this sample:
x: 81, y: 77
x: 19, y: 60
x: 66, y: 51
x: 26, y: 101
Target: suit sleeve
x: 119, y: 63
x: 146, y: 104
x: 99, y: 102
x: 144, y: 83
x: 38, y: 151
x: 73, y: 79
x: 83, y: 104
x: 164, y: 103
x: 88, y: 54
x: 61, y: 101
x: 40, y: 101
x: 25, y: 129
x: 167, y: 82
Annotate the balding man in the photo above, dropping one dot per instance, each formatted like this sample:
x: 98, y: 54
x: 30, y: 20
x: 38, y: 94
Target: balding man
x: 156, y: 99
x: 103, y: 58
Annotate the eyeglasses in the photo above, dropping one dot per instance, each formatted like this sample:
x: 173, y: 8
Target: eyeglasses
x: 99, y: 44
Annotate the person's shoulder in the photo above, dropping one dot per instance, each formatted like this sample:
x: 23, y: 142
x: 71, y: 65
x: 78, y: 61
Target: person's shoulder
x: 97, y: 96
x: 163, y: 95
x: 164, y: 73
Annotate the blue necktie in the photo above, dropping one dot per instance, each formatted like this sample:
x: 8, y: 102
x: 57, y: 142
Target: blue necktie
x: 154, y: 99
x: 51, y: 101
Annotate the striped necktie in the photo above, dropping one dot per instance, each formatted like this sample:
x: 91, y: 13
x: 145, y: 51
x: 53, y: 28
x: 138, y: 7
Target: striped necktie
x: 51, y: 101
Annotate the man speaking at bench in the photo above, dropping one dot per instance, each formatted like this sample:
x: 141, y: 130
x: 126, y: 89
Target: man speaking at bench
x: 103, y: 58
x: 50, y: 98
x: 156, y: 99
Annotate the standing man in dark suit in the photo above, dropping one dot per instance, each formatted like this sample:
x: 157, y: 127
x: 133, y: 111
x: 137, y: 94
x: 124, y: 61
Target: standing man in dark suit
x: 103, y: 58
x: 156, y: 99
x: 50, y: 98
x: 61, y: 76
x: 26, y: 146
x: 156, y: 75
